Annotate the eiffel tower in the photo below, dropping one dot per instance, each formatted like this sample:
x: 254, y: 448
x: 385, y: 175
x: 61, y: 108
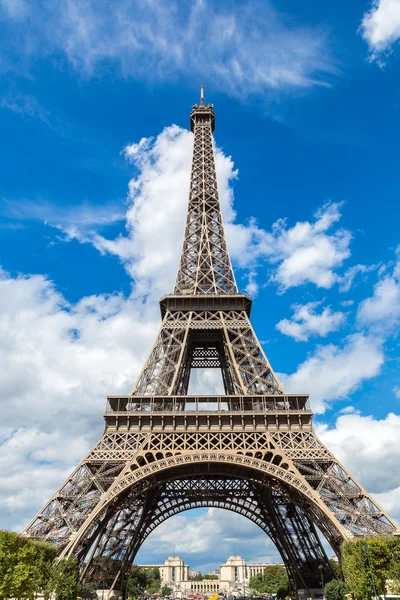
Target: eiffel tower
x: 252, y: 450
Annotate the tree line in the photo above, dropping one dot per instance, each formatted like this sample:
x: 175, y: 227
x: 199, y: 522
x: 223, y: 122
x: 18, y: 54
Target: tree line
x: 28, y: 568
x: 144, y: 582
x: 369, y: 567
x: 273, y: 580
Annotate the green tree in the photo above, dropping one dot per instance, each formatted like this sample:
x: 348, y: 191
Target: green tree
x: 47, y: 569
x: 137, y: 582
x: 273, y: 578
x: 369, y: 563
x: 153, y: 580
x: 336, y: 568
x: 335, y: 590
x: 210, y: 576
x: 394, y: 568
x: 24, y: 577
x: 67, y: 579
x: 9, y: 545
x: 26, y: 566
x: 166, y: 591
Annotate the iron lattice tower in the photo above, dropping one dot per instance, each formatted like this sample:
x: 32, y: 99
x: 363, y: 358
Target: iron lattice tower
x: 252, y: 450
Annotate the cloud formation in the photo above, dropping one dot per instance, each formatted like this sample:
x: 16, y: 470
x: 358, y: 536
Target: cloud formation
x: 368, y: 447
x: 305, y: 322
x: 307, y: 252
x: 59, y: 363
x: 380, y: 27
x: 243, y: 48
x: 381, y: 311
x: 222, y: 533
x: 334, y: 372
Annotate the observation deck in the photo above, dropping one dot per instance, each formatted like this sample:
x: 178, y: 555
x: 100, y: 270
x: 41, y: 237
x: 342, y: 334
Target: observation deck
x: 206, y: 302
x: 207, y: 413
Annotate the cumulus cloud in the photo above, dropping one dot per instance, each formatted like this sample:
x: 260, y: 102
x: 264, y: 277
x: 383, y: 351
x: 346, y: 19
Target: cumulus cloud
x: 333, y: 372
x: 368, y: 447
x: 33, y: 463
x: 308, y: 252
x: 59, y: 362
x: 390, y: 501
x: 222, y: 533
x: 382, y: 310
x: 380, y: 27
x: 306, y: 322
x: 158, y: 198
x: 243, y: 50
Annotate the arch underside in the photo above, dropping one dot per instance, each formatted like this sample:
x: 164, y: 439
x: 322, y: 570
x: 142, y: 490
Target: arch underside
x: 282, y: 513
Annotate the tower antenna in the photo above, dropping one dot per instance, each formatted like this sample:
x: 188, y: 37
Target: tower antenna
x: 202, y: 95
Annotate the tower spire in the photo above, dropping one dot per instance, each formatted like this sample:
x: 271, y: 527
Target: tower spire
x: 205, y: 266
x: 202, y: 95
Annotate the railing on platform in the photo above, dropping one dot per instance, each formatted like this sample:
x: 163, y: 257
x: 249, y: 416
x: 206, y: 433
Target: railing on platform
x: 184, y: 404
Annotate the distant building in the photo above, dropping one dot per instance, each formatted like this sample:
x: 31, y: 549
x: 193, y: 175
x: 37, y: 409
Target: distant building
x: 253, y: 569
x: 233, y: 577
x: 194, y: 573
x: 172, y: 572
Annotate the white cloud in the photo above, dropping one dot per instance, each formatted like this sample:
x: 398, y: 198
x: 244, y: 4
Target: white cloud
x: 75, y: 216
x: 346, y: 303
x: 252, y: 287
x: 222, y: 533
x: 368, y: 447
x: 26, y: 105
x: 333, y: 372
x: 32, y: 465
x: 390, y: 501
x: 158, y: 202
x: 346, y: 280
x: 380, y: 27
x: 240, y: 50
x: 59, y: 362
x: 396, y: 391
x: 382, y: 310
x: 308, y: 252
x: 306, y: 322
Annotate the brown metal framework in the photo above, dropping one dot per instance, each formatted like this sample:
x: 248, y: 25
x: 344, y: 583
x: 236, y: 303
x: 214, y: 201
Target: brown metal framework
x: 252, y: 451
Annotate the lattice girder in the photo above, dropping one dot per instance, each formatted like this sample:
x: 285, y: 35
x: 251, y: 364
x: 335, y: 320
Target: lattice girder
x: 343, y: 507
x: 245, y: 367
x: 205, y: 266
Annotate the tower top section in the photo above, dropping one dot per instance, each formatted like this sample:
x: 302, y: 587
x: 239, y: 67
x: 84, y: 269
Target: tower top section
x: 205, y: 266
x: 202, y: 112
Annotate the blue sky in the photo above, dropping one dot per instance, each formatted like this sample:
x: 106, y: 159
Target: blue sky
x: 95, y: 155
